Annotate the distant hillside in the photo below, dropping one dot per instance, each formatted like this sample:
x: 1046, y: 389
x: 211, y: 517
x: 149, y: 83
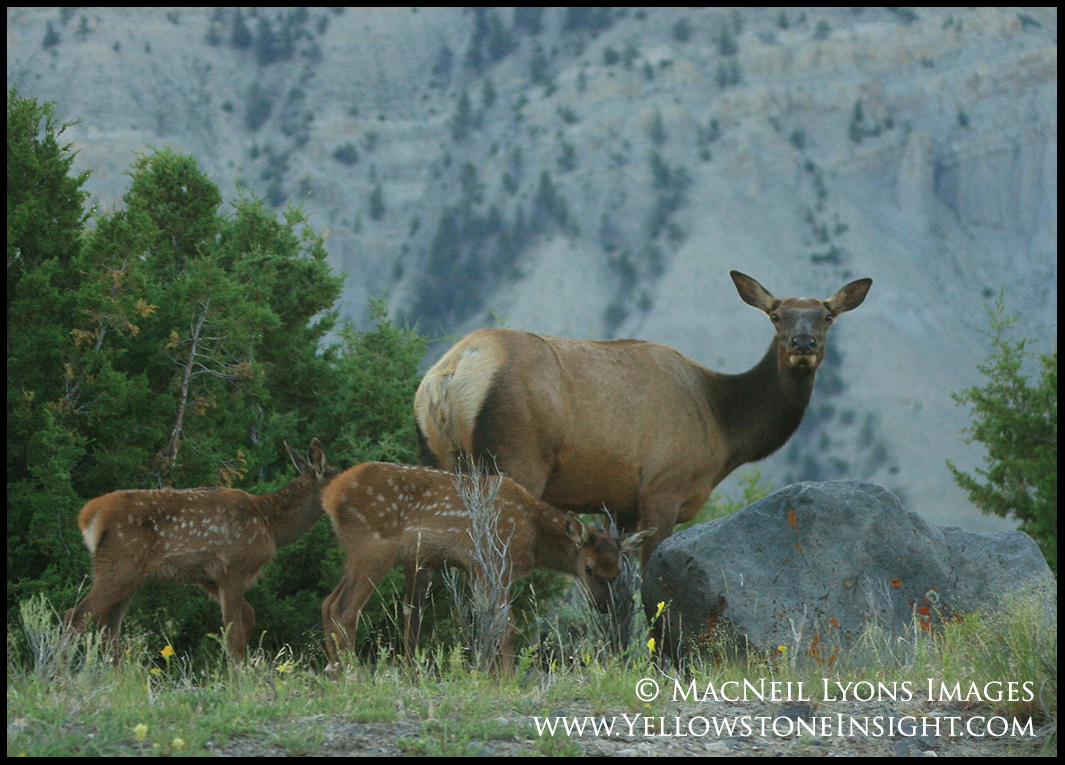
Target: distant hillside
x: 595, y: 172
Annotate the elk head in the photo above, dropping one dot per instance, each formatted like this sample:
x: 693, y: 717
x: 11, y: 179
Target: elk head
x: 599, y: 558
x: 801, y: 323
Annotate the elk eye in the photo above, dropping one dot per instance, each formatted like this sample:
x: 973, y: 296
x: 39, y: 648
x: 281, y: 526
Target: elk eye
x: 588, y: 570
x: 775, y: 317
x: 829, y: 318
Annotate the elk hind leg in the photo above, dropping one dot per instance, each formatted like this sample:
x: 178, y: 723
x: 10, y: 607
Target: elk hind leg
x: 332, y: 630
x: 106, y: 604
x: 341, y: 610
x: 417, y: 585
x: 505, y: 660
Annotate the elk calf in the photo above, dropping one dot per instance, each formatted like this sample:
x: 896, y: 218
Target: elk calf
x: 216, y: 537
x: 387, y: 515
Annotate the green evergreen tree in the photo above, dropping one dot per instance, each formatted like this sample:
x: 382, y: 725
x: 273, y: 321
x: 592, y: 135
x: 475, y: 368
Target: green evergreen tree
x: 44, y: 221
x: 463, y: 120
x: 1017, y: 421
x: 172, y: 344
x: 377, y: 202
x: 44, y: 200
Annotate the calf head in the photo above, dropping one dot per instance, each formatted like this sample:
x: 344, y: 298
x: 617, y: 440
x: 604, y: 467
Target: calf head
x: 599, y: 557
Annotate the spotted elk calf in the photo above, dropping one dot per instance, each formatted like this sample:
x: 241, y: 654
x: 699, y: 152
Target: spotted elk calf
x: 218, y: 538
x: 389, y: 515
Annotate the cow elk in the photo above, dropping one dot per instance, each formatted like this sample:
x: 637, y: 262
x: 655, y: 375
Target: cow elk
x: 387, y: 515
x: 629, y: 425
x: 219, y: 538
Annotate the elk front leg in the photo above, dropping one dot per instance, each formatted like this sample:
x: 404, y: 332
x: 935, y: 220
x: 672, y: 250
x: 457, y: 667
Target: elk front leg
x: 660, y: 513
x: 238, y: 619
x: 247, y: 613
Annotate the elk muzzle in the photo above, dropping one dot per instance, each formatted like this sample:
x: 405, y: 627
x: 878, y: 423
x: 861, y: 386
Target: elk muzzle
x: 803, y: 351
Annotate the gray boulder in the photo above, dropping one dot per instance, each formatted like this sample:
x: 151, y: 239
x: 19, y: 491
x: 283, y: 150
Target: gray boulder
x: 811, y: 565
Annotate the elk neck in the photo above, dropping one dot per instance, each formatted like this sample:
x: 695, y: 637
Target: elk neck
x: 292, y: 510
x: 761, y: 408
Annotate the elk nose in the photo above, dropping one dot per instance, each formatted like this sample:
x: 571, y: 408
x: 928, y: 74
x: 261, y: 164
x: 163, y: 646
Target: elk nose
x: 803, y: 343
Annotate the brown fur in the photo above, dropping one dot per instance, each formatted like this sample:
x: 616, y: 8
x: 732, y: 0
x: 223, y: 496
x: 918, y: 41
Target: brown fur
x: 629, y: 425
x: 216, y: 537
x: 388, y: 515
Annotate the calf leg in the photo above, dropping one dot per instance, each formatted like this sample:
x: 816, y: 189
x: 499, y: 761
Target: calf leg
x: 238, y: 618
x: 413, y: 603
x: 341, y: 610
x: 106, y: 603
x: 247, y: 613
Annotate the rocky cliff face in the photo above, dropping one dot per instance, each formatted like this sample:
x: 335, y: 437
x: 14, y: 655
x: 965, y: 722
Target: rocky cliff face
x: 597, y: 172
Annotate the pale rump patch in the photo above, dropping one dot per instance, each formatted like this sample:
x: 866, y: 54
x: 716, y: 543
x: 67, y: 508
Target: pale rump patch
x: 453, y: 391
x: 91, y: 534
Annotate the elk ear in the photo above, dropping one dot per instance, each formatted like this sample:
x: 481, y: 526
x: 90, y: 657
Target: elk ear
x: 850, y: 297
x: 317, y: 455
x: 577, y: 530
x: 754, y: 293
x: 297, y: 459
x: 633, y: 541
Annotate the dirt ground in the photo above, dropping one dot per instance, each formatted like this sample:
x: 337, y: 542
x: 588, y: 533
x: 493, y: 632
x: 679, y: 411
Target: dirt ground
x: 657, y: 737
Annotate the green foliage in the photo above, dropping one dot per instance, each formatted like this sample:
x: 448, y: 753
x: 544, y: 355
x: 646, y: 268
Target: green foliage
x: 154, y: 704
x: 44, y: 200
x: 172, y: 344
x: 377, y: 374
x: 1017, y: 420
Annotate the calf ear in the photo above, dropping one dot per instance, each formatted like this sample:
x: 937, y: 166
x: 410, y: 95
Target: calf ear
x: 297, y: 459
x: 577, y: 530
x: 633, y: 541
x: 317, y: 455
